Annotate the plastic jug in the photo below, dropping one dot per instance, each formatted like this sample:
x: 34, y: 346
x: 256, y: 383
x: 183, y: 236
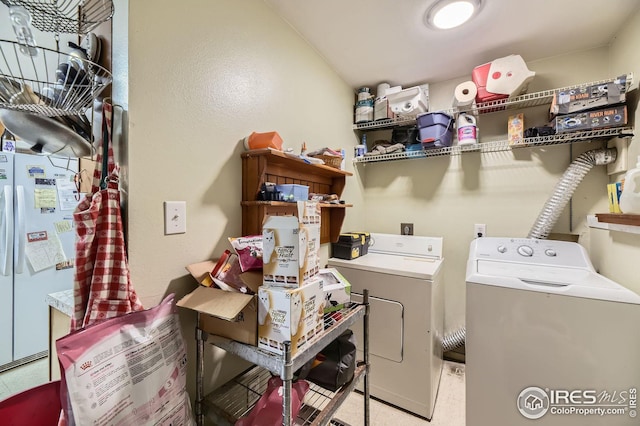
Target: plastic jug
x: 467, y: 129
x: 630, y: 197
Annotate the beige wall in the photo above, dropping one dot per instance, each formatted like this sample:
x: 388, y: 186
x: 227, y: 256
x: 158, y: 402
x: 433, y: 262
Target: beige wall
x: 615, y: 253
x: 202, y: 75
x: 446, y: 196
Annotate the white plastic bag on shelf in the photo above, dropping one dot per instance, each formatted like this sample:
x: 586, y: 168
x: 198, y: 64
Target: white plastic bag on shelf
x: 127, y: 370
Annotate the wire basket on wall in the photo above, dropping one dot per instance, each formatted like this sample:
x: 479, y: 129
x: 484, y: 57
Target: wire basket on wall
x: 48, y: 82
x: 66, y: 16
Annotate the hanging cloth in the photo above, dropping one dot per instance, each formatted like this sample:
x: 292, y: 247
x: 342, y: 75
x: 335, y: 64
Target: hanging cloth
x: 102, y: 285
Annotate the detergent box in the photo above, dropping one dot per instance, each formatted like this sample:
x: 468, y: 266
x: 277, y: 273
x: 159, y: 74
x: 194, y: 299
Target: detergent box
x: 515, y: 129
x: 290, y: 314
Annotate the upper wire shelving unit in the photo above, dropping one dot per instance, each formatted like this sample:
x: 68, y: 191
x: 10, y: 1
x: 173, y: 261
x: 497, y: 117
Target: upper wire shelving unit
x: 497, y: 146
x: 526, y: 100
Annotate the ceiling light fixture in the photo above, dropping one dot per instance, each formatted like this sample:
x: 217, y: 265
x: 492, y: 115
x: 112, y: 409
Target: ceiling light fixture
x: 446, y: 14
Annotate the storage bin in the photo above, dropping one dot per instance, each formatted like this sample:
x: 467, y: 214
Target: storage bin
x: 293, y: 192
x: 350, y: 245
x: 479, y: 76
x: 38, y: 406
x: 414, y: 147
x: 435, y: 129
x: 365, y: 238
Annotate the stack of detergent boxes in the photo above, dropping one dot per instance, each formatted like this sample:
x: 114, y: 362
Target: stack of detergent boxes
x: 291, y: 298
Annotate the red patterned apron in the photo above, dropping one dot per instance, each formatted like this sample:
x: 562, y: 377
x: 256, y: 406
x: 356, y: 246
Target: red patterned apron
x: 102, y: 286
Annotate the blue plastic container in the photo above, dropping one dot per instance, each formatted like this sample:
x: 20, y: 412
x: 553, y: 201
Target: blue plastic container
x: 435, y: 129
x: 293, y: 192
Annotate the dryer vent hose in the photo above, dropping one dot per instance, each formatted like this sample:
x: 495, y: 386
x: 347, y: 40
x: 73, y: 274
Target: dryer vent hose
x: 564, y: 189
x: 454, y: 340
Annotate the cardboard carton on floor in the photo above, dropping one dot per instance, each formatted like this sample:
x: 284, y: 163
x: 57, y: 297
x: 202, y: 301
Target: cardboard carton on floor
x: 228, y: 314
x: 290, y: 314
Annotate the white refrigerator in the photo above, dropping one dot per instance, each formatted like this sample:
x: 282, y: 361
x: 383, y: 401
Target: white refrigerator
x: 38, y: 195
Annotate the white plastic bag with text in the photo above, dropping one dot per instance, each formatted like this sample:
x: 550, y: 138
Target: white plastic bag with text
x: 127, y: 370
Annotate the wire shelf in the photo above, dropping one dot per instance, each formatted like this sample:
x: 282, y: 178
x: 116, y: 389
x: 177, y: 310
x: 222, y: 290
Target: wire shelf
x: 496, y: 146
x: 526, y: 100
x: 48, y: 82
x: 275, y: 362
x: 66, y: 16
x: 237, y: 397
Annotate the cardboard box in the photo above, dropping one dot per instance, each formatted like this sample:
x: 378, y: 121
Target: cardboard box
x: 336, y: 289
x: 589, y: 97
x: 290, y: 247
x: 290, y: 314
x: 229, y: 314
x: 597, y: 119
x: 614, y: 190
x: 515, y: 129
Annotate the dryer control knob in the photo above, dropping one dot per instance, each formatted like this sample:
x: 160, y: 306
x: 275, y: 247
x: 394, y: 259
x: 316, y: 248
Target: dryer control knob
x: 502, y: 249
x: 550, y: 252
x: 525, y: 251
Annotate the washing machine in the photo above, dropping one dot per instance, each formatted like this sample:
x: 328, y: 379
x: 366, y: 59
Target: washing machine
x: 404, y: 276
x: 549, y: 340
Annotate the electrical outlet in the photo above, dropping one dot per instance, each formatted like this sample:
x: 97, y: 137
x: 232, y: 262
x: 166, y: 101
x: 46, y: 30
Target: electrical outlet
x: 479, y: 230
x: 621, y: 163
x: 175, y: 217
x: 406, y: 229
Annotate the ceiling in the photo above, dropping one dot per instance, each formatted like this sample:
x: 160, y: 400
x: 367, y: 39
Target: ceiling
x: 371, y: 41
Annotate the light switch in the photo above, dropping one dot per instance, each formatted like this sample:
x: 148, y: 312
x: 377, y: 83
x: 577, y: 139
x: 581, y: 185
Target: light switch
x: 175, y: 217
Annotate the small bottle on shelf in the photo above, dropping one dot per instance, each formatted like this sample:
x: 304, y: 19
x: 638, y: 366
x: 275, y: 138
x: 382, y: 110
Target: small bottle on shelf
x: 630, y: 196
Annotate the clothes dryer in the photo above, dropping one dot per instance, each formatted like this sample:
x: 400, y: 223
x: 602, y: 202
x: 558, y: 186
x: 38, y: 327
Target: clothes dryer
x: 406, y: 294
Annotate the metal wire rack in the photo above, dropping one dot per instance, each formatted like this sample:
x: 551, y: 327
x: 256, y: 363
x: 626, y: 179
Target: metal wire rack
x: 66, y: 16
x: 497, y: 146
x: 48, y: 82
x: 526, y: 100
x: 237, y: 397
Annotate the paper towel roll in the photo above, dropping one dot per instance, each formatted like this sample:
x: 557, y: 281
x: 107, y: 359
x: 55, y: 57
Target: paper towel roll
x: 464, y: 94
x: 382, y: 90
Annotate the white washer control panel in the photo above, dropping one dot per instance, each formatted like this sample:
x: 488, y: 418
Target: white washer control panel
x: 529, y: 250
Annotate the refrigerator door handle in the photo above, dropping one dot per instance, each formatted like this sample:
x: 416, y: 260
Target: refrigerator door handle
x: 8, y: 229
x: 21, y: 229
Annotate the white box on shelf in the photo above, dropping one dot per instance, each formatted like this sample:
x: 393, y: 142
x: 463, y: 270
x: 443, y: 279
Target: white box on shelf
x: 290, y: 314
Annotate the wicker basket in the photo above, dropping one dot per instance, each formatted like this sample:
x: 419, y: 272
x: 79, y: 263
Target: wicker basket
x: 330, y: 160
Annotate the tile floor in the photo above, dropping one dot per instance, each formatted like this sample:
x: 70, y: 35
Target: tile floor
x: 449, y: 410
x: 24, y: 377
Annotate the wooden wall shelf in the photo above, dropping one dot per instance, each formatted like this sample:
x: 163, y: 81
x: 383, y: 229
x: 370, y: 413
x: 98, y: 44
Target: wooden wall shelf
x: 628, y: 223
x: 267, y: 165
x: 619, y: 218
